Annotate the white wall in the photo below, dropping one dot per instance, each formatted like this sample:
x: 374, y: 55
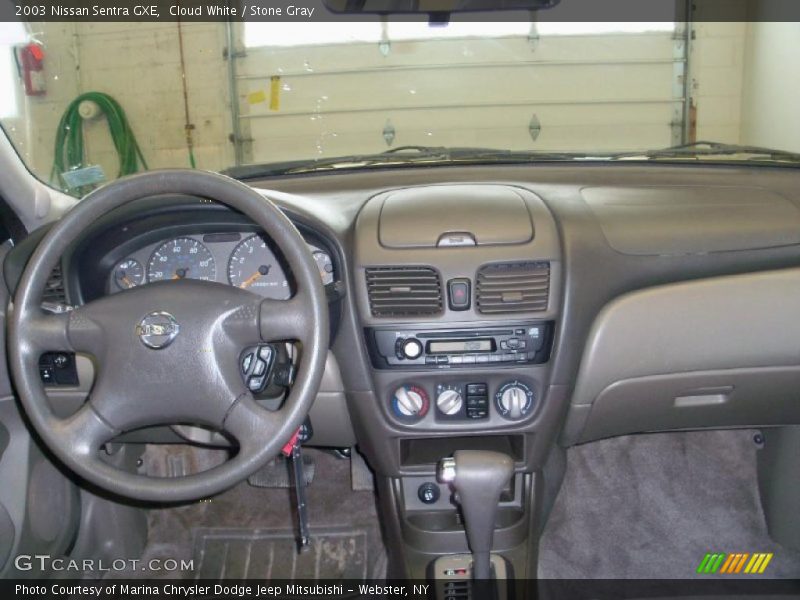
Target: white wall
x: 139, y: 65
x: 771, y: 105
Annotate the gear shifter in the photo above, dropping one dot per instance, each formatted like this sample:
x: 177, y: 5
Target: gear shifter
x: 478, y: 477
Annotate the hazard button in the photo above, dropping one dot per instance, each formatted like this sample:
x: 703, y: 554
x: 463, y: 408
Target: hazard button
x: 458, y: 293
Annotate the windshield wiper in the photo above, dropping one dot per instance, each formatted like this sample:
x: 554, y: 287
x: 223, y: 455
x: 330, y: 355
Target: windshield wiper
x: 416, y: 155
x: 704, y: 149
x: 408, y: 155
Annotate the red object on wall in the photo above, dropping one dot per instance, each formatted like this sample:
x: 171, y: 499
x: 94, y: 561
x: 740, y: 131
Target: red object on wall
x: 31, y: 63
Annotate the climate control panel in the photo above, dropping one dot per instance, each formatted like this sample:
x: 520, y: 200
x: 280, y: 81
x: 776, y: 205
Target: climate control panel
x: 410, y: 402
x: 454, y: 401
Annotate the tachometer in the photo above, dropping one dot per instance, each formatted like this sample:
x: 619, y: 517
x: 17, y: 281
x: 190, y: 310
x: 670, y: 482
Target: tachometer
x: 181, y: 258
x: 129, y: 273
x: 253, y: 266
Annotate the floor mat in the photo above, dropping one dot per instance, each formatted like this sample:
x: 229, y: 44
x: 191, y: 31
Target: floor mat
x: 652, y: 506
x: 241, y: 553
x: 263, y: 513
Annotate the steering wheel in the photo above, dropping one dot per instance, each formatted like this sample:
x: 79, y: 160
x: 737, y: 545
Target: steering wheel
x: 169, y: 352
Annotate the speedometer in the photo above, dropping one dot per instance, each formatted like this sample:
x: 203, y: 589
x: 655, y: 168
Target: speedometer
x: 253, y: 266
x: 181, y: 258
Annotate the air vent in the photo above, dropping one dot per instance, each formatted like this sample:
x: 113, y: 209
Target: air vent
x: 404, y: 291
x: 513, y: 287
x: 54, y: 294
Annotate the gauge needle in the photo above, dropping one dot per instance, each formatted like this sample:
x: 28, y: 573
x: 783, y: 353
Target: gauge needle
x: 126, y: 280
x: 180, y: 274
x: 262, y: 270
x: 251, y: 280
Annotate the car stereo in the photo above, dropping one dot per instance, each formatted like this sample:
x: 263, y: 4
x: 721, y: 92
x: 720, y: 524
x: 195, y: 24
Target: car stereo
x: 520, y: 343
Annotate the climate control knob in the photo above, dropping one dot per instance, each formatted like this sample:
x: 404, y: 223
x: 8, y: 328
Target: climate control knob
x: 410, y: 401
x: 449, y: 401
x: 514, y: 400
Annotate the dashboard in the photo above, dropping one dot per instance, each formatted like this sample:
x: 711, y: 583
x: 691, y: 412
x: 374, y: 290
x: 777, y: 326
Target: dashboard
x: 505, y: 307
x: 239, y: 258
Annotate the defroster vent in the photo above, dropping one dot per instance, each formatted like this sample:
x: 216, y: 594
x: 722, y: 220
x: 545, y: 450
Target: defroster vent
x: 513, y: 287
x: 404, y: 291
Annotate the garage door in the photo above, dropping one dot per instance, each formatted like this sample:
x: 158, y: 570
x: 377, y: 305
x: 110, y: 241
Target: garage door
x: 327, y: 90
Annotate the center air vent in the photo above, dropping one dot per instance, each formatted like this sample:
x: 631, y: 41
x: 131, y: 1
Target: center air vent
x: 404, y: 291
x: 513, y: 287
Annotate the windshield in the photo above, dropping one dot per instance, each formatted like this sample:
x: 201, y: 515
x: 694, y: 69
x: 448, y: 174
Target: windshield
x: 91, y: 101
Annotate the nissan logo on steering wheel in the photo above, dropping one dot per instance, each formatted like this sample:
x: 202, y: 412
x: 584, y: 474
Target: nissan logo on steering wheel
x: 157, y: 330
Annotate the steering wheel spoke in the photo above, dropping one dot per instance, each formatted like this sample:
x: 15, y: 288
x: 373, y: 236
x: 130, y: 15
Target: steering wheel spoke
x: 85, y: 431
x: 49, y: 331
x: 250, y: 425
x: 285, y: 320
x: 69, y: 331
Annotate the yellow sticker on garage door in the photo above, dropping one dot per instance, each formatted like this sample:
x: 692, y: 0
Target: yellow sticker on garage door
x: 256, y: 97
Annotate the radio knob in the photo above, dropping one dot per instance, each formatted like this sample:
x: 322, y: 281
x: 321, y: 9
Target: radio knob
x: 412, y: 348
x: 449, y: 402
x: 514, y: 400
x: 410, y: 401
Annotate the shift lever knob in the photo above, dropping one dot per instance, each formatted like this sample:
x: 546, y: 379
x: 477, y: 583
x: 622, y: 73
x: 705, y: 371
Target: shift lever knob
x: 478, y: 477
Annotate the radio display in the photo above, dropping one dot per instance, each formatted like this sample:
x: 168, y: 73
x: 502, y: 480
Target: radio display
x: 460, y: 346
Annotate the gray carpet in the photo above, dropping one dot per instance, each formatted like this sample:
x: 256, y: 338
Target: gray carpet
x: 264, y: 517
x: 651, y: 506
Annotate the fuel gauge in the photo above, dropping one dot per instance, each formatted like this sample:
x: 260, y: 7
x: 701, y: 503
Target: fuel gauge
x: 129, y: 273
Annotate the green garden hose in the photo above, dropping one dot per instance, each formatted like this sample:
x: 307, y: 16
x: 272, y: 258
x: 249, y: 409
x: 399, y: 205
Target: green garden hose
x: 69, y: 147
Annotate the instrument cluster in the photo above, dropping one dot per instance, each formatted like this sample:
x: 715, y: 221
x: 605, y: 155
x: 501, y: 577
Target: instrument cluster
x: 246, y: 260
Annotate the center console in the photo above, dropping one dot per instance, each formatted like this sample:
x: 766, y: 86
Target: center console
x: 459, y: 316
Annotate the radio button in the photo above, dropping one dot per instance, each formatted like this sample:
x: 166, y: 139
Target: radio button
x: 536, y: 334
x: 482, y: 358
x: 456, y: 360
x: 412, y: 348
x: 430, y: 360
x: 469, y: 360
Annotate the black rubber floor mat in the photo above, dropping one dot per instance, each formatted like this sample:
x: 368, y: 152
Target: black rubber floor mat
x: 272, y: 554
x: 276, y: 473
